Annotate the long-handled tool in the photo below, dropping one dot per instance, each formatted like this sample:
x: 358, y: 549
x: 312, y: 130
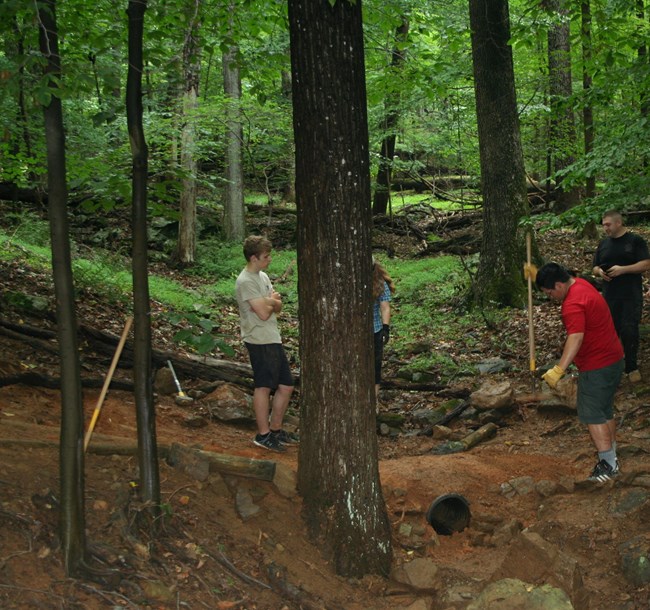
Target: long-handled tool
x: 107, y: 381
x: 182, y: 396
x: 531, y: 329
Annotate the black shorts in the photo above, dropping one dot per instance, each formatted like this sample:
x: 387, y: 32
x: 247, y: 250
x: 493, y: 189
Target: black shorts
x: 270, y: 365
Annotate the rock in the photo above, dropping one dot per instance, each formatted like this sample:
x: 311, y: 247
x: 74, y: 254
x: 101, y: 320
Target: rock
x: 635, y: 560
x: 156, y: 590
x: 630, y: 501
x: 515, y: 594
x: 567, y: 391
x: 421, y: 574
x: 493, y: 365
x: 546, y: 488
x: 164, y: 382
x: 285, y: 481
x: 244, y: 504
x: 228, y: 403
x: 419, y: 604
x: 533, y: 559
x: 522, y: 485
x: 493, y: 395
x: 506, y: 533
x: 194, y: 421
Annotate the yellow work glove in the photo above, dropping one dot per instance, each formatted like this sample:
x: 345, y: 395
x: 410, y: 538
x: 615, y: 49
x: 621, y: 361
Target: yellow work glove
x: 530, y: 271
x: 553, y: 375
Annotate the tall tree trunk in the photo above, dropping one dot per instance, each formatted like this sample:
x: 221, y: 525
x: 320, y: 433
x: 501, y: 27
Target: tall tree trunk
x: 235, y: 219
x: 562, y: 137
x: 288, y: 189
x: 142, y: 376
x: 587, y: 111
x: 71, y: 465
x: 338, y: 474
x: 23, y: 119
x: 389, y: 127
x: 186, y: 250
x: 644, y: 97
x: 503, y: 183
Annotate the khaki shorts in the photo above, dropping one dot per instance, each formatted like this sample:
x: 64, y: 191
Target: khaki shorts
x: 596, y: 391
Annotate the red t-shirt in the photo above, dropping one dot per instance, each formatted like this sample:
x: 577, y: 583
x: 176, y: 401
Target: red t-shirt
x: 584, y: 310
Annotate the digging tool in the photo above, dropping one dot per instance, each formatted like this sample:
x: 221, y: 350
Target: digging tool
x: 182, y: 397
x: 531, y: 329
x: 107, y: 381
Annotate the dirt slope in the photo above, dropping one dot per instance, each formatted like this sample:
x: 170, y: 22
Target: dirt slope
x: 210, y: 556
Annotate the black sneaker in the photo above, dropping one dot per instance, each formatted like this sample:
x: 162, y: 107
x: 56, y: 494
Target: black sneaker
x: 603, y: 472
x: 268, y: 441
x: 285, y: 438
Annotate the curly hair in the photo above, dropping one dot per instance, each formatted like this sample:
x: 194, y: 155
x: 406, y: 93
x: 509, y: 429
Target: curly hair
x: 379, y: 276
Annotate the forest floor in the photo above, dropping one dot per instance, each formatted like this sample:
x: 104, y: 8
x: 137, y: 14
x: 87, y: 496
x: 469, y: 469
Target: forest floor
x: 238, y: 542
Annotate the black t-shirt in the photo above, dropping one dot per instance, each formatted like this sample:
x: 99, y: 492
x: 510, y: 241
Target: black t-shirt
x: 627, y: 249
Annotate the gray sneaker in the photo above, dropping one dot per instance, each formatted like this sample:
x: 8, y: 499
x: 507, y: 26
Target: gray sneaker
x: 285, y: 438
x: 268, y: 441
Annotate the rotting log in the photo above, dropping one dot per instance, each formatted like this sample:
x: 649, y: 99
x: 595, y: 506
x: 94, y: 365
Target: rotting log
x: 224, y: 464
x: 467, y: 442
x: 102, y: 444
x: 446, y: 418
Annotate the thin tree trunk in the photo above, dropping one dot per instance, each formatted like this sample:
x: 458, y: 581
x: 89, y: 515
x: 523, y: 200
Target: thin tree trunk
x: 391, y: 119
x: 587, y: 111
x: 72, y: 515
x: 235, y: 219
x: 503, y: 181
x: 186, y: 250
x: 142, y: 376
x: 644, y: 98
x: 338, y: 474
x: 562, y: 134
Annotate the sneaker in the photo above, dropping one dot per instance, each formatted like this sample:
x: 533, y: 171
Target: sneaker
x: 268, y: 441
x: 285, y: 438
x: 634, y: 376
x: 603, y: 472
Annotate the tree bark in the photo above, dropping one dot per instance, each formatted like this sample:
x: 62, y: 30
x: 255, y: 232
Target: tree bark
x: 144, y: 405
x: 71, y: 465
x: 503, y: 180
x: 234, y: 217
x: 338, y: 474
x: 562, y: 136
x: 186, y: 249
x: 587, y: 81
x: 392, y: 101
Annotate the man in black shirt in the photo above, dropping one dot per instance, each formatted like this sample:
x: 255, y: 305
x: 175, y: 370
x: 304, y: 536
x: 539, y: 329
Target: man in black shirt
x: 620, y: 260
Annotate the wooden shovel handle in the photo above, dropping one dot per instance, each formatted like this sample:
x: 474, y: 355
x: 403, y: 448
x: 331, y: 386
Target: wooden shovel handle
x: 531, y: 330
x: 107, y: 381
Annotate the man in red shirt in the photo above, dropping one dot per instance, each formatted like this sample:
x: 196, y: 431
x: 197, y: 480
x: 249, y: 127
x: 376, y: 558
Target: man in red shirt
x: 593, y: 345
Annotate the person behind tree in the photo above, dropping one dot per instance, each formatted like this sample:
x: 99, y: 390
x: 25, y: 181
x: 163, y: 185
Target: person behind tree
x: 382, y: 290
x: 259, y: 305
x: 621, y: 258
x: 593, y: 345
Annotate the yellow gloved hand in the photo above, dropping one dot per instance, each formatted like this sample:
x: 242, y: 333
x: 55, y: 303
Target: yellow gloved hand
x: 530, y: 271
x: 553, y: 375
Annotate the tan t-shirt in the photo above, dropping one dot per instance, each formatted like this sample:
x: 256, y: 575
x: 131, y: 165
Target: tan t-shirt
x: 253, y: 330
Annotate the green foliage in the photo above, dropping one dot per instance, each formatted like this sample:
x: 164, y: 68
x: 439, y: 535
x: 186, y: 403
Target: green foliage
x: 198, y: 330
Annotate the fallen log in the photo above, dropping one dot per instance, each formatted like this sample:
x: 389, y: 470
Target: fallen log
x: 174, y: 453
x: 179, y: 455
x: 445, y: 419
x: 469, y: 441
